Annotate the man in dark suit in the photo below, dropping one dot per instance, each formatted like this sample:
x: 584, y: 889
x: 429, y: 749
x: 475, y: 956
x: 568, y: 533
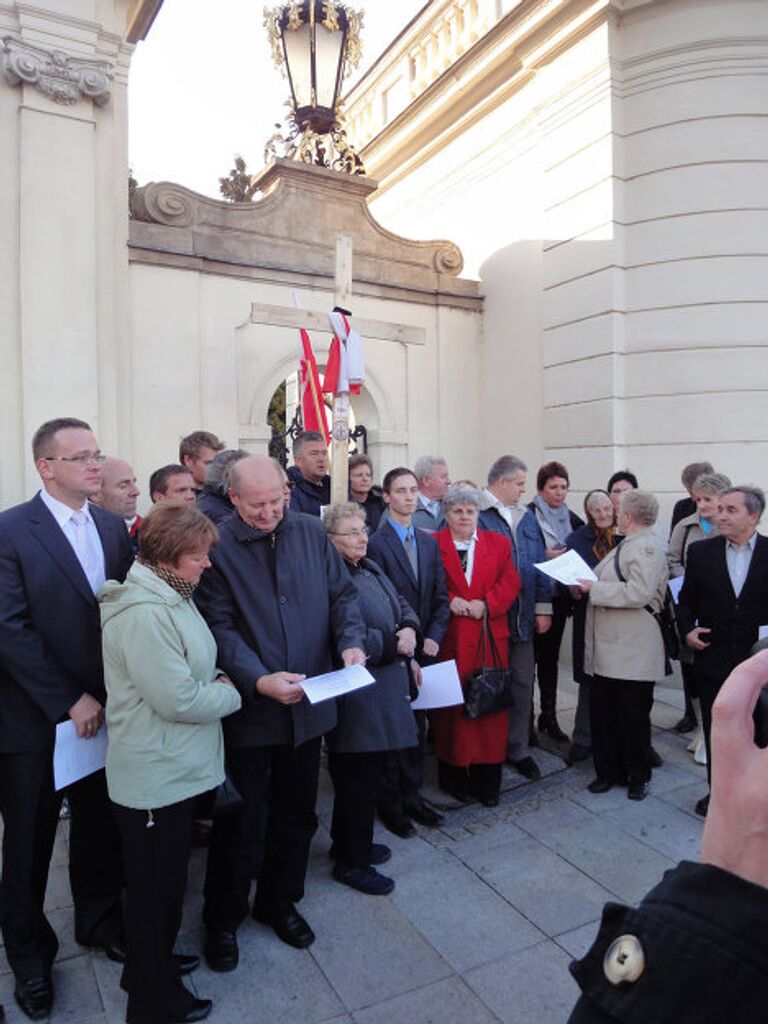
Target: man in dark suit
x: 55, y: 552
x: 411, y: 559
x: 724, y: 599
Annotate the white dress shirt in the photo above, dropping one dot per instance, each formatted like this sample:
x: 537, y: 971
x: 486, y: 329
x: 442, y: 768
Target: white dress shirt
x: 83, y: 537
x: 738, y: 559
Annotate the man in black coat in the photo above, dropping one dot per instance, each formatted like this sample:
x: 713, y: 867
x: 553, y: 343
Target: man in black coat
x: 411, y: 559
x: 724, y: 598
x: 308, y: 476
x: 55, y: 552
x: 282, y: 608
x: 695, y: 949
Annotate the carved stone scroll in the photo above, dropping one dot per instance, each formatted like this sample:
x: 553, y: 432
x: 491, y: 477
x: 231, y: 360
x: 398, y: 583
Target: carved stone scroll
x: 62, y: 78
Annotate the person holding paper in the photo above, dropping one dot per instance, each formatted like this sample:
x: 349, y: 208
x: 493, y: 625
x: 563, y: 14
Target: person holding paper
x: 556, y: 521
x: 165, y: 702
x: 592, y: 541
x: 701, y: 525
x: 282, y: 607
x: 623, y: 648
x: 55, y: 553
x: 411, y: 559
x: 482, y: 580
x: 375, y: 719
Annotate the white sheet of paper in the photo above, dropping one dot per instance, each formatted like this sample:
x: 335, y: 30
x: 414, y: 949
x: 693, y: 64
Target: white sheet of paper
x: 74, y: 757
x: 567, y: 569
x: 440, y: 687
x: 336, y: 684
x: 675, y: 586
x: 762, y: 632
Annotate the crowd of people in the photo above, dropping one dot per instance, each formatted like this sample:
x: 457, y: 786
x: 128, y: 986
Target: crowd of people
x: 189, y: 631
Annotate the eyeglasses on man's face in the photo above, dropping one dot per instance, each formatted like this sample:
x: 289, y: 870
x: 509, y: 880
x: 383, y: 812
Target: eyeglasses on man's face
x: 82, y: 458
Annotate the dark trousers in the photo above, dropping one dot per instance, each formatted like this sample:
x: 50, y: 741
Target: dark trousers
x: 273, y: 829
x: 480, y: 780
x: 156, y: 849
x: 403, y: 775
x: 620, y: 714
x: 356, y: 778
x: 690, y: 689
x: 30, y: 810
x: 708, y: 690
x: 546, y: 647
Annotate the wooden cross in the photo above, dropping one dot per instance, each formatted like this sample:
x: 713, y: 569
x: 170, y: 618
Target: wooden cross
x: 283, y: 316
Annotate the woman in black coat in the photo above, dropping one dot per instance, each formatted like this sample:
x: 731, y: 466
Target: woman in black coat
x: 374, y: 719
x: 592, y: 541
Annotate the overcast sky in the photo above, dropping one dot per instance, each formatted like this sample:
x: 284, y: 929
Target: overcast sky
x: 203, y: 87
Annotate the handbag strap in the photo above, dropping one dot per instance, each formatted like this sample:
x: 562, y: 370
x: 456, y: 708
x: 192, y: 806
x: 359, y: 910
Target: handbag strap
x: 487, y: 639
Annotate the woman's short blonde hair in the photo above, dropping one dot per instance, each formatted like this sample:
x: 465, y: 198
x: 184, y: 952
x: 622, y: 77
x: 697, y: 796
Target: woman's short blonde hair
x: 642, y: 506
x: 711, y: 483
x: 170, y: 530
x: 341, y: 510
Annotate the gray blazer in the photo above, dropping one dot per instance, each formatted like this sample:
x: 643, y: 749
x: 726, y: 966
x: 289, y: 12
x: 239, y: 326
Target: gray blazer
x: 379, y: 716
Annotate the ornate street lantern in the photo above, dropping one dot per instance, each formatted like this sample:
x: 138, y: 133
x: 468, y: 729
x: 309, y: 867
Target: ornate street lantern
x: 316, y: 43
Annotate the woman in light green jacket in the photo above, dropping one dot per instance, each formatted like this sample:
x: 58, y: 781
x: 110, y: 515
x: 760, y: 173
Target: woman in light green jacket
x: 165, y: 702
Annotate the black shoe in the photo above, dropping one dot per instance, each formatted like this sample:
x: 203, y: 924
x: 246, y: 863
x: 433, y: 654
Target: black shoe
x: 185, y: 963
x: 199, y: 1010
x: 380, y: 853
x: 288, y: 925
x: 548, y: 725
x: 577, y: 752
x: 702, y: 806
x: 367, y: 880
x: 424, y: 814
x: 637, y: 791
x: 599, y: 786
x: 221, y: 951
x: 686, y: 724
x: 655, y: 760
x: 115, y: 951
x: 527, y: 767
x: 400, y: 824
x: 34, y: 996
x: 489, y: 801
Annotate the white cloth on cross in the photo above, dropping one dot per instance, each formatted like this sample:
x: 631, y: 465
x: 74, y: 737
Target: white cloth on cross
x: 352, y: 355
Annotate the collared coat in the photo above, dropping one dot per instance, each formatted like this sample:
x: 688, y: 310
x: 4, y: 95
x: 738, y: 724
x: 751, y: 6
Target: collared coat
x: 621, y: 639
x: 50, y: 632
x: 164, y: 709
x: 427, y: 595
x: 460, y: 741
x: 685, y: 533
x: 278, y: 602
x: 527, y: 548
x: 308, y: 497
x: 379, y: 716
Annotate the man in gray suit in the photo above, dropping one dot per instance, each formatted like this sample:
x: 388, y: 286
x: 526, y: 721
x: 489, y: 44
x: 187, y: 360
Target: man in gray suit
x: 432, y: 474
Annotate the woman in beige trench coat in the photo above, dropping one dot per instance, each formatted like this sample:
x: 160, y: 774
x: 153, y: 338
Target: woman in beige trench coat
x: 623, y: 650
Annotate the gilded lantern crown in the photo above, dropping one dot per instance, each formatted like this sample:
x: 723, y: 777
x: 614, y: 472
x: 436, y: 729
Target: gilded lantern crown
x: 317, y: 43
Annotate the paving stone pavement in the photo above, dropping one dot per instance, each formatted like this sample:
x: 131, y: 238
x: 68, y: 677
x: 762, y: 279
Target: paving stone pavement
x: 487, y: 913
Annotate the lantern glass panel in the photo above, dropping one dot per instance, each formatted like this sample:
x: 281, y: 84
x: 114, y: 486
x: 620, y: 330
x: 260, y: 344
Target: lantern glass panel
x: 298, y: 55
x: 327, y: 60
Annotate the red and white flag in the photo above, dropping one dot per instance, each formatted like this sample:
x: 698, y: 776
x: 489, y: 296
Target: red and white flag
x: 312, y: 405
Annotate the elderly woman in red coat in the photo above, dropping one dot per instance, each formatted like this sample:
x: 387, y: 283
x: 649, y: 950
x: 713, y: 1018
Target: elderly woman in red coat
x: 480, y: 574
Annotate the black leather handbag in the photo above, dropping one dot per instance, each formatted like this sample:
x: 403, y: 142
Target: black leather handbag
x: 489, y: 688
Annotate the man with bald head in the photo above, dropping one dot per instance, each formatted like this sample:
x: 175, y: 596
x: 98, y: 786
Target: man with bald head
x: 118, y: 494
x: 281, y: 607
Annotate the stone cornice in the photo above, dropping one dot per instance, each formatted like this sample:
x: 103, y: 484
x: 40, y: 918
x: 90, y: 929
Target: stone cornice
x: 138, y: 22
x: 292, y: 229
x: 500, y: 63
x: 62, y: 78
